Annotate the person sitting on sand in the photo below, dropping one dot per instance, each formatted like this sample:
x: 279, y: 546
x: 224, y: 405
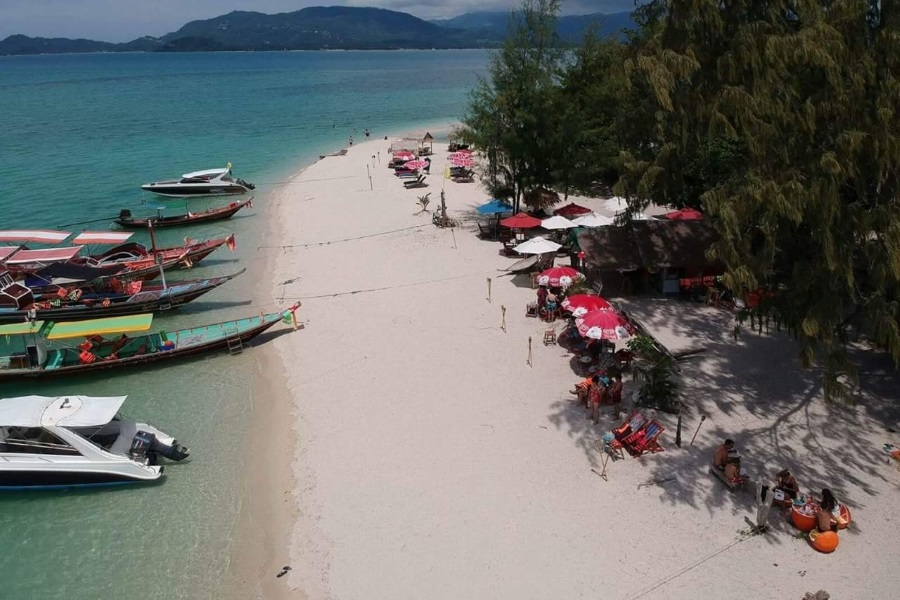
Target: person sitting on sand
x: 829, y: 516
x: 727, y: 460
x: 787, y: 485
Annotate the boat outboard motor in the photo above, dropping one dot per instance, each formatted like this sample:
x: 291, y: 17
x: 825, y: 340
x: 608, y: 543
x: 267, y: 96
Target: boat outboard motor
x: 146, y: 443
x: 173, y: 451
x: 246, y: 184
x: 124, y: 214
x: 141, y: 446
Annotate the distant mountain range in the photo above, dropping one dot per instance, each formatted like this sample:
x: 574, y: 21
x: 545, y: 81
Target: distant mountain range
x: 322, y: 28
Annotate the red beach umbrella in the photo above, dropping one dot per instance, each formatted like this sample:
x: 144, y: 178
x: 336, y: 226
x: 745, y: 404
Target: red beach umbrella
x: 571, y: 210
x: 521, y: 221
x: 685, y: 214
x: 462, y: 161
x: 581, y: 304
x: 604, y: 325
x: 559, y: 277
x: 404, y: 155
x: 415, y: 165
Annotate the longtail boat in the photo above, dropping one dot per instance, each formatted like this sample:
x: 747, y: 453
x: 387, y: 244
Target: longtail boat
x: 189, y: 218
x: 40, y: 349
x: 19, y: 303
x: 139, y: 261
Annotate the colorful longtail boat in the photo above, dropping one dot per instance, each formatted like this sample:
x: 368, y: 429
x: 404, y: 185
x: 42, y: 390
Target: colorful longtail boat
x: 71, y: 303
x: 40, y: 349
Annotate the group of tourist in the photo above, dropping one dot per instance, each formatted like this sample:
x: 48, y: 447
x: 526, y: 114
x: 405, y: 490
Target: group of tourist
x: 785, y: 490
x: 598, y: 391
x: 549, y: 300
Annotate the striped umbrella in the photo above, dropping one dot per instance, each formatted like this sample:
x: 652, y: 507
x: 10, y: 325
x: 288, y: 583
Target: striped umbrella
x: 581, y: 304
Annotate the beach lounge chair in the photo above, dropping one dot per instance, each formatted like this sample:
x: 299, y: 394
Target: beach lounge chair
x: 632, y: 424
x: 418, y: 179
x: 644, y: 439
x: 418, y: 183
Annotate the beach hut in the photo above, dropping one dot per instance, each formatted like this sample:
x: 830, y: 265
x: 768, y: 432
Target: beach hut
x: 664, y: 251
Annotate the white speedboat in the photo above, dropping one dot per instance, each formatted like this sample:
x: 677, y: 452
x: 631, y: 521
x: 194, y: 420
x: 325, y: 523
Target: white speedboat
x: 211, y: 182
x: 69, y: 441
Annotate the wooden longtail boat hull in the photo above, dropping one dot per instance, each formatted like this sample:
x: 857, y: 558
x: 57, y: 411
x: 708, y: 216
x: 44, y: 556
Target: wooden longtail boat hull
x: 188, y: 342
x: 155, y: 300
x: 191, y: 218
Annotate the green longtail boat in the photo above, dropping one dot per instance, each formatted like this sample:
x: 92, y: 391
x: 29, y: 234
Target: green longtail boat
x: 41, y: 349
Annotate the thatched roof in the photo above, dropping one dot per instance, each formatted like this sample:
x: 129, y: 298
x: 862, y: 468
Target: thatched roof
x: 648, y: 245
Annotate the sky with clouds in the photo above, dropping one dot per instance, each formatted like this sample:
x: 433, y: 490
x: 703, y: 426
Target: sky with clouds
x: 125, y: 20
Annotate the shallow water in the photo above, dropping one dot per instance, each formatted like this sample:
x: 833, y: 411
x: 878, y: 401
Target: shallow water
x: 80, y: 134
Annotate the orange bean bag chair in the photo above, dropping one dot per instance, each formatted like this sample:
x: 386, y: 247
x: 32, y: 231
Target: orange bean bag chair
x: 845, y: 514
x: 824, y: 542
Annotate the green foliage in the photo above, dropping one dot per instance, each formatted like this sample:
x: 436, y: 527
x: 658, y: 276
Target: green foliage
x: 512, y: 115
x: 424, y: 201
x: 656, y: 373
x: 779, y: 120
x: 589, y: 101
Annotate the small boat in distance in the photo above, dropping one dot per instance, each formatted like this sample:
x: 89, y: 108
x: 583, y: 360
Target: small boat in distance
x: 39, y: 349
x: 77, y: 441
x: 189, y: 218
x: 211, y: 182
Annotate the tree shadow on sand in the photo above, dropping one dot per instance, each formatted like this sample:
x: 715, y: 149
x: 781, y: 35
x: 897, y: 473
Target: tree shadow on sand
x: 753, y: 389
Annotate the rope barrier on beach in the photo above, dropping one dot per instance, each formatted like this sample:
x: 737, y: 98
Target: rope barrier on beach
x: 389, y: 287
x: 666, y: 580
x: 351, y: 239
x: 259, y: 183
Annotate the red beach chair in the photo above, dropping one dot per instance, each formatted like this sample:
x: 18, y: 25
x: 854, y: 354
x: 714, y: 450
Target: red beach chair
x: 644, y: 439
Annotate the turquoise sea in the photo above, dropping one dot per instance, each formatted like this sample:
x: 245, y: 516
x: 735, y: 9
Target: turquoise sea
x: 80, y: 134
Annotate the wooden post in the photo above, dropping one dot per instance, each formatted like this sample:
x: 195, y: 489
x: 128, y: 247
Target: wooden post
x: 370, y: 177
x: 702, y: 418
x: 503, y: 322
x: 489, y: 289
x: 678, y: 431
x: 606, y: 451
x: 529, y: 361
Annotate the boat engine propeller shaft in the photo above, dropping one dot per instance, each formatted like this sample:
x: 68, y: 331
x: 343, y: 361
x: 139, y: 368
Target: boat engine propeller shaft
x: 145, y: 443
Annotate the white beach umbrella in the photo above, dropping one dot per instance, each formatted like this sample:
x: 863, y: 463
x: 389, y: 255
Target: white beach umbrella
x: 593, y: 220
x: 557, y: 222
x: 537, y: 245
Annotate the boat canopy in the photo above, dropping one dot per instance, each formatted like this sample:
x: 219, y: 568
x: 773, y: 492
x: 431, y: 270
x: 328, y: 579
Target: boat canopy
x: 102, y: 237
x: 63, y: 273
x: 21, y: 328
x: 65, y: 411
x: 75, y: 329
x: 44, y: 236
x: 206, y: 173
x: 46, y: 255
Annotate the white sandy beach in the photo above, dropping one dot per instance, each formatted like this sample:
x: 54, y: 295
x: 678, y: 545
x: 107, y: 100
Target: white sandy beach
x: 431, y: 461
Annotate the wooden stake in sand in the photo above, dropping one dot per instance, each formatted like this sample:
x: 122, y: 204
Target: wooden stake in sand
x: 702, y: 418
x: 370, y: 178
x: 529, y: 361
x: 503, y: 321
x: 489, y: 289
